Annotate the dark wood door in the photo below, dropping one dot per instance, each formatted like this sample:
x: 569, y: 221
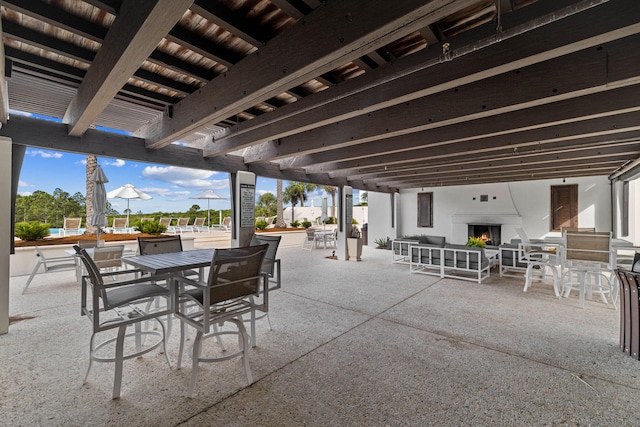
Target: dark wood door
x: 564, y: 206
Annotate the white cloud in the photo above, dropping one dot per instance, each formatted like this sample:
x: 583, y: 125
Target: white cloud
x: 185, y: 178
x: 165, y: 192
x: 116, y: 162
x: 44, y: 154
x: 261, y: 192
x: 24, y: 184
x: 25, y: 193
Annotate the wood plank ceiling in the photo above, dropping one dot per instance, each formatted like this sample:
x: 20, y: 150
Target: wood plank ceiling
x: 375, y: 94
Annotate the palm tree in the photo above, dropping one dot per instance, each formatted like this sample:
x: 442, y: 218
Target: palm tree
x: 279, y: 215
x: 266, y: 204
x: 92, y: 164
x: 294, y: 193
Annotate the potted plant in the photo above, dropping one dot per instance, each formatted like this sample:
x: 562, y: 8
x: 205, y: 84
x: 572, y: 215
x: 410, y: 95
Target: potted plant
x: 476, y: 242
x: 354, y: 244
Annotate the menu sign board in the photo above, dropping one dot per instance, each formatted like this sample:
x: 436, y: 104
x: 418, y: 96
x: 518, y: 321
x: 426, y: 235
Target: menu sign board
x: 247, y: 205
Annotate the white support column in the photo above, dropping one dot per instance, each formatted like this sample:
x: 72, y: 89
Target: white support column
x: 244, y: 216
x: 6, y: 232
x: 344, y: 221
x: 617, y: 202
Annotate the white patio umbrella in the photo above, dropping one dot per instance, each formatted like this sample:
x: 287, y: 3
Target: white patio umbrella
x: 324, y: 209
x: 128, y: 191
x: 209, y: 194
x: 99, y: 217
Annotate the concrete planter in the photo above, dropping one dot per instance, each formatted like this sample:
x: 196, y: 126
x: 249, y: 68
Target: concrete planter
x: 354, y: 248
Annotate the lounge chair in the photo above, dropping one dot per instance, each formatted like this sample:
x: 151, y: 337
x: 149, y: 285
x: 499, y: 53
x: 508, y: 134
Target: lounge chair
x: 183, y: 225
x: 198, y: 225
x: 50, y: 264
x: 71, y: 227
x: 166, y: 222
x: 226, y: 223
x: 120, y: 225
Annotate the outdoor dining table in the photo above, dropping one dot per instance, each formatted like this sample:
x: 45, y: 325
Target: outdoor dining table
x: 172, y: 262
x: 617, y: 245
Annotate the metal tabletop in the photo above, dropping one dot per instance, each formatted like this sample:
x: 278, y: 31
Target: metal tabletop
x: 172, y: 261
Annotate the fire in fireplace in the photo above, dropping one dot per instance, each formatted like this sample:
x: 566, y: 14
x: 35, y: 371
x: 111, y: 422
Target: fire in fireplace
x: 490, y: 233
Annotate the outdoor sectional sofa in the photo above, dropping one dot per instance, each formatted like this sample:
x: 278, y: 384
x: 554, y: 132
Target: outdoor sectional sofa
x: 460, y: 261
x: 510, y: 264
x: 400, y: 246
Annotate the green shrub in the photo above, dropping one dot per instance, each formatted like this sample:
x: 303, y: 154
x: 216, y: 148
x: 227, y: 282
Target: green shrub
x: 31, y: 230
x: 295, y: 223
x: 150, y: 227
x: 261, y: 224
x: 476, y: 242
x: 354, y: 221
x: 306, y: 224
x: 331, y: 220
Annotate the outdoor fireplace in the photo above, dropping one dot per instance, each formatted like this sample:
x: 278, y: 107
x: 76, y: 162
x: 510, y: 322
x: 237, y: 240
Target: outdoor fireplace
x: 490, y: 233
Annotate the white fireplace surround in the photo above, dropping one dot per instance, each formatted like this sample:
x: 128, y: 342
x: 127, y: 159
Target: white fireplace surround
x: 508, y: 223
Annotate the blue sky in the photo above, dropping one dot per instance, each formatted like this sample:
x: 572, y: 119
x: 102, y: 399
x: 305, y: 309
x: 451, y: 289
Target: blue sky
x: 170, y: 187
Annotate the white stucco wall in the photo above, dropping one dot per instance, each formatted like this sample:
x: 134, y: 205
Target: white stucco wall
x: 525, y: 204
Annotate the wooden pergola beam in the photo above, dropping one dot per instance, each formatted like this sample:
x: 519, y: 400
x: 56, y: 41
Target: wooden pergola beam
x: 415, y: 114
x: 130, y: 40
x: 417, y: 75
x: 291, y: 59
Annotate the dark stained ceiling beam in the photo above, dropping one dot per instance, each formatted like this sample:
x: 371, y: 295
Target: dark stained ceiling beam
x: 47, y: 12
x: 365, y: 90
x: 298, y: 57
x: 54, y: 136
x: 481, y: 142
x: 231, y: 21
x: 57, y: 71
x: 180, y: 66
x: 566, y: 171
x: 78, y: 53
x: 616, y: 157
x: 430, y: 37
x: 406, y: 79
x: 111, y: 6
x: 76, y: 25
x: 508, y: 55
x: 43, y: 41
x: 294, y: 8
x: 132, y: 37
x: 470, y: 103
x: 626, y: 142
x: 202, y: 46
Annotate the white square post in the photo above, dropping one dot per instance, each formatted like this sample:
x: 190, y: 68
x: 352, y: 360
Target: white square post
x: 344, y: 222
x: 6, y: 232
x: 244, y: 212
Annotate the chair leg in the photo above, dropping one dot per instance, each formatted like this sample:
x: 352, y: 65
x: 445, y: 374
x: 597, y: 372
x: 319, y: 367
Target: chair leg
x: 243, y: 341
x: 183, y: 337
x: 119, y: 359
x: 527, y: 277
x: 91, y: 341
x: 197, y: 345
x: 31, y: 276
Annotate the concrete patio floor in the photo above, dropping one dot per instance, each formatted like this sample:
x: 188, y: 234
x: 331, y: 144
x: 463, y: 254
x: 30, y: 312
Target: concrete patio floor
x: 353, y: 343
